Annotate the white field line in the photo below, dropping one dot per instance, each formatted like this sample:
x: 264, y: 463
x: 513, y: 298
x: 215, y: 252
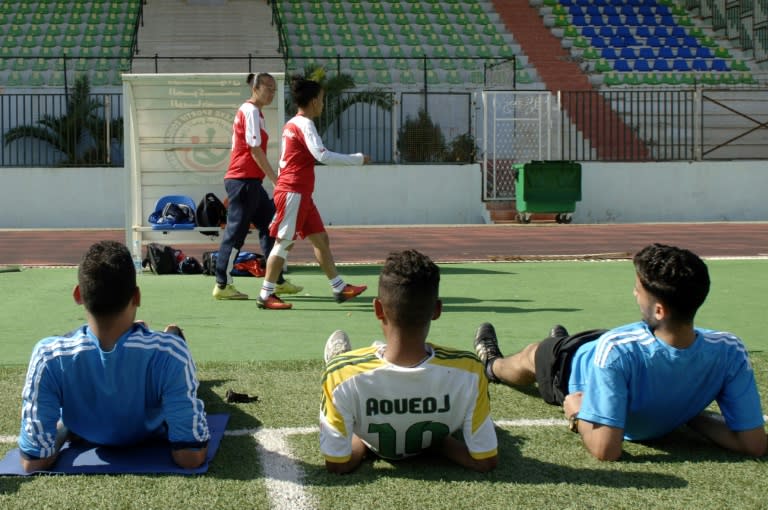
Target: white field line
x: 283, y: 474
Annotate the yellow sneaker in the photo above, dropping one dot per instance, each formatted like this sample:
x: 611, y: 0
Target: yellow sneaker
x: 287, y: 288
x: 228, y: 292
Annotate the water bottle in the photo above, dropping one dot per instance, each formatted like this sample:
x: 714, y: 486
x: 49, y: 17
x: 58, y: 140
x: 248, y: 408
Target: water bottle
x: 137, y: 256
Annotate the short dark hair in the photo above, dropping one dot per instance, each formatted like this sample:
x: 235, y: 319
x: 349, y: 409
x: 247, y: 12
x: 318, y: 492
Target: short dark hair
x: 408, y: 287
x: 675, y: 276
x: 257, y: 80
x: 303, y: 91
x: 107, y: 278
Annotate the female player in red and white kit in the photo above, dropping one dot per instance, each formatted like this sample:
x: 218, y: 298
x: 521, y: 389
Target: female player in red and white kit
x: 296, y: 213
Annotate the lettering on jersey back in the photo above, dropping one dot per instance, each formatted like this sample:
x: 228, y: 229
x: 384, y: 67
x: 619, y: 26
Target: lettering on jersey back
x: 414, y: 405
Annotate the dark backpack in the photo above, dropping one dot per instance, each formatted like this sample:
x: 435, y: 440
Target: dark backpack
x: 190, y: 265
x: 161, y: 259
x: 211, y: 213
x: 246, y: 264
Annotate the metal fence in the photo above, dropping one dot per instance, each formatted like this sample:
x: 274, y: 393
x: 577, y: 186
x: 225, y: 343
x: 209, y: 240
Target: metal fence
x: 61, y: 129
x: 427, y: 126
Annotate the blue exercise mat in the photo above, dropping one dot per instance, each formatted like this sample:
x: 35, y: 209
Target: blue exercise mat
x: 85, y: 458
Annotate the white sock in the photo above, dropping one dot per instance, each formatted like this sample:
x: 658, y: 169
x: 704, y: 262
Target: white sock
x: 337, y: 284
x: 267, y: 289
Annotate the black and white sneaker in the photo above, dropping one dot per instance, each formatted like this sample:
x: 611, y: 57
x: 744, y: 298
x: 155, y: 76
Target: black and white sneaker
x: 558, y: 331
x: 487, y: 348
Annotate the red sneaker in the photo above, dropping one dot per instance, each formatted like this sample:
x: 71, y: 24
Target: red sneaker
x: 349, y: 292
x: 273, y: 303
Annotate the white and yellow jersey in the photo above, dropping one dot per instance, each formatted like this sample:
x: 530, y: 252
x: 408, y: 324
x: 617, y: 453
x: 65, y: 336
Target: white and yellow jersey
x: 399, y: 411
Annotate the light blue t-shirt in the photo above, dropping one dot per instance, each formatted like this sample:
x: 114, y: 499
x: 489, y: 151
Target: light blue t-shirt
x: 633, y: 381
x: 146, y: 386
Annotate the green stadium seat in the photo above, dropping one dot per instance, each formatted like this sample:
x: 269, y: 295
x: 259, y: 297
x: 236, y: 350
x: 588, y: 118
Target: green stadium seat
x: 454, y: 78
x: 455, y: 9
x: 383, y: 77
x: 15, y: 79
x: 337, y: 8
x: 78, y: 8
x: 440, y: 52
x: 411, y: 39
x: 396, y: 8
x: 477, y: 77
x: 447, y: 64
x: 36, y: 79
x: 100, y: 79
x: 34, y: 31
x: 360, y: 78
x: 432, y: 77
x: 417, y: 8
x: 612, y: 80
x: 523, y: 77
x: 357, y: 64
x: 375, y: 8
x: 739, y: 65
x: 88, y: 41
x: 461, y: 52
x: 101, y: 64
x: 686, y: 79
x: 379, y: 64
x: 40, y: 64
x: 670, y: 79
x: 407, y: 77
x: 22, y: 64
x: 82, y: 64
x: 603, y: 66
x: 651, y: 79
x: 16, y: 31
x: 721, y: 52
x: 483, y: 51
x: 633, y: 79
x: 746, y: 79
x: 728, y: 78
x: 401, y: 63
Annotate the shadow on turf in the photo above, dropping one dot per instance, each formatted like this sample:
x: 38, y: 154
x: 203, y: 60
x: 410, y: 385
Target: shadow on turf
x: 682, y: 446
x: 235, y: 459
x: 374, y: 269
x: 513, y: 468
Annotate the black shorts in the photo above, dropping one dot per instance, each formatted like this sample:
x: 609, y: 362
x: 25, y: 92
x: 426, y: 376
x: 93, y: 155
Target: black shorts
x: 553, y: 363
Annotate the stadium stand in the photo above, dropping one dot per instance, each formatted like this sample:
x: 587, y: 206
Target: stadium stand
x: 39, y: 34
x: 656, y: 38
x: 457, y: 39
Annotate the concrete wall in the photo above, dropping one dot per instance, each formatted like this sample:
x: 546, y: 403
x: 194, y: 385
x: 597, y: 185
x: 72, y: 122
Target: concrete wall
x: 377, y: 195
x: 666, y: 192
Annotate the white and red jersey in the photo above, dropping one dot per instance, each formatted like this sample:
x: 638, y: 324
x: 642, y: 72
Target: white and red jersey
x: 249, y: 130
x: 301, y: 147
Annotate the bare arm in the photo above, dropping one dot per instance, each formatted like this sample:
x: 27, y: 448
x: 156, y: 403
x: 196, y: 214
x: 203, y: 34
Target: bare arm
x: 602, y: 441
x: 712, y: 426
x: 359, y: 451
x: 457, y: 451
x: 261, y: 159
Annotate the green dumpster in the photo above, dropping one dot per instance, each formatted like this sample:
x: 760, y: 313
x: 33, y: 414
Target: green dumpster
x: 547, y: 187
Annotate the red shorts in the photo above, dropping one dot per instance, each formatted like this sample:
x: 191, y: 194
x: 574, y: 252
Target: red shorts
x: 296, y: 216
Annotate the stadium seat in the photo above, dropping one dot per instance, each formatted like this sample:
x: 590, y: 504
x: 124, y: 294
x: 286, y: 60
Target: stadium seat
x: 622, y: 66
x: 661, y: 65
x: 628, y: 53
x: 666, y: 52
x: 641, y: 65
x: 684, y: 52
x: 719, y: 64
x: 699, y: 64
x: 681, y: 65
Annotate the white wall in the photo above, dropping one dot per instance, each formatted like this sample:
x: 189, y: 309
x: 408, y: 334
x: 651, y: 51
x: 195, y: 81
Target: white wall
x: 378, y: 195
x: 666, y: 192
x: 62, y: 197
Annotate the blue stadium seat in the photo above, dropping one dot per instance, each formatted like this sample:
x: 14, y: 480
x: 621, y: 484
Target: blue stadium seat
x: 643, y: 31
x: 609, y: 53
x: 661, y: 65
x: 704, y: 52
x: 641, y: 65
x: 589, y: 31
x: 719, y: 64
x: 628, y: 52
x: 699, y: 64
x: 621, y: 65
x: 666, y: 52
x: 684, y: 52
x: 647, y: 53
x: 681, y: 64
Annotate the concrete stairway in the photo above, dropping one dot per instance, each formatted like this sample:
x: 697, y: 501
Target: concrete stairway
x: 208, y: 28
x: 593, y: 116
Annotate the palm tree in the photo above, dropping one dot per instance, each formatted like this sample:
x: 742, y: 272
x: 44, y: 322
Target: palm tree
x: 338, y: 98
x: 80, y: 134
